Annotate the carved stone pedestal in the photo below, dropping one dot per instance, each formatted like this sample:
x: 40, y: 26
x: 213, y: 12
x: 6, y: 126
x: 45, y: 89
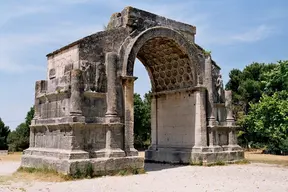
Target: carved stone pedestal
x: 68, y: 147
x: 100, y: 166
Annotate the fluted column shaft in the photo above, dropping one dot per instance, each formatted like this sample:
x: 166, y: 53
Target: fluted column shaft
x: 75, y: 99
x: 209, y: 84
x: 111, y: 66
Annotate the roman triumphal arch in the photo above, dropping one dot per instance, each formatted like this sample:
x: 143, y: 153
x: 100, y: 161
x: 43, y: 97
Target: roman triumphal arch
x: 84, y: 111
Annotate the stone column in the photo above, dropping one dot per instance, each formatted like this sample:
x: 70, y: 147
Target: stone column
x: 75, y: 98
x: 153, y: 145
x: 230, y: 122
x: 200, y: 119
x: 128, y: 86
x: 36, y: 103
x: 111, y: 70
x: 32, y: 137
x: 228, y: 106
x: 209, y: 83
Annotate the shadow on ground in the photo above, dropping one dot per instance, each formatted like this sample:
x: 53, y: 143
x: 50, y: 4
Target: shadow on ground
x: 159, y: 166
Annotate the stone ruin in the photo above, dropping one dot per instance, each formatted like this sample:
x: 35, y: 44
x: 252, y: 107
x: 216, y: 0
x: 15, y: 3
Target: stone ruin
x: 84, y: 111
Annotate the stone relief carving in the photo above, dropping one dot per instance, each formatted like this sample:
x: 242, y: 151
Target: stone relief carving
x: 94, y: 76
x: 100, y: 77
x: 86, y: 70
x: 52, y: 73
x: 220, y: 89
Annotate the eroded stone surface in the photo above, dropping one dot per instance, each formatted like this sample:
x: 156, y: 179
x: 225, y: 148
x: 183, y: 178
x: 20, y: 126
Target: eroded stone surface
x: 84, y: 110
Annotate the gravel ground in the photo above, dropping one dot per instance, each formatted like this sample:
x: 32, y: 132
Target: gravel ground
x: 165, y: 178
x: 8, y: 167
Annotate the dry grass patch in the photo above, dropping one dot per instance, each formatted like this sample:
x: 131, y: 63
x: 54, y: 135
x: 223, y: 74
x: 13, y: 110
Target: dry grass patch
x: 16, y: 156
x: 48, y: 175
x: 32, y: 174
x: 28, y: 175
x: 258, y: 157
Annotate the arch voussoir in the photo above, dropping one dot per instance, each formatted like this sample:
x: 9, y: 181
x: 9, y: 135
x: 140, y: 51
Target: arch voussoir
x: 161, y: 32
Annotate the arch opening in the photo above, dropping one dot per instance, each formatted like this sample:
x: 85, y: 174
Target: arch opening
x: 172, y: 73
x: 167, y: 42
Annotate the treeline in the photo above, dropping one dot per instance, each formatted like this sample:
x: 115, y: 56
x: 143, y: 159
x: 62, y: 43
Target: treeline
x: 16, y: 140
x: 260, y: 98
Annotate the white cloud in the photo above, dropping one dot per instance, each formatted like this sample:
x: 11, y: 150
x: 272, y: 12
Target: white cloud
x: 12, y: 11
x: 207, y: 36
x: 256, y: 34
x: 15, y: 9
x: 9, y: 66
x: 18, y: 44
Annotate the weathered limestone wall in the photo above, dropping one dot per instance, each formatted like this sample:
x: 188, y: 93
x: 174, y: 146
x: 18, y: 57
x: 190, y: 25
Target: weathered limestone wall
x: 51, y: 101
x: 51, y: 137
x: 59, y: 66
x: 139, y: 20
x: 94, y: 47
x: 176, y: 120
x: 89, y: 137
x: 94, y: 108
x: 92, y: 51
x: 58, y: 106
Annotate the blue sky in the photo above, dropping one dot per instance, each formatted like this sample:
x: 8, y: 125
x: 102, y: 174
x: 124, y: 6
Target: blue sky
x: 237, y: 32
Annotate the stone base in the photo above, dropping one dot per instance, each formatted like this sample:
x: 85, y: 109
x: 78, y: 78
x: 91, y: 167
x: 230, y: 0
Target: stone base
x: 69, y: 166
x: 186, y: 157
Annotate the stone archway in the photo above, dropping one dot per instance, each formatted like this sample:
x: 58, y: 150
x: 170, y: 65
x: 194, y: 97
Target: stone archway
x: 84, y: 109
x: 174, y: 71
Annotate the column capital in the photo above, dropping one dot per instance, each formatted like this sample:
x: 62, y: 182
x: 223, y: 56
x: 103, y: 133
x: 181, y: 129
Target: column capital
x: 129, y: 79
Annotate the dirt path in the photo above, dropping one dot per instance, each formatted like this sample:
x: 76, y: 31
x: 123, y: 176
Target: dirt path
x: 8, y: 167
x: 165, y: 178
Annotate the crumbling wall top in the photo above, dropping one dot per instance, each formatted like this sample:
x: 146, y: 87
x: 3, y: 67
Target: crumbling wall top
x: 136, y: 18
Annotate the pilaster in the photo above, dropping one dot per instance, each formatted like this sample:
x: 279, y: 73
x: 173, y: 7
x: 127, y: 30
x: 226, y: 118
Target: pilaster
x: 200, y: 120
x: 153, y: 122
x: 128, y: 87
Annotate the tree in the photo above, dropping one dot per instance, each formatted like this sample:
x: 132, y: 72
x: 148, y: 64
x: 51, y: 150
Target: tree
x: 4, y: 131
x: 267, y: 122
x: 254, y: 89
x: 29, y: 116
x: 18, y: 140
x: 142, y: 122
x: 247, y: 85
x: 277, y: 78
